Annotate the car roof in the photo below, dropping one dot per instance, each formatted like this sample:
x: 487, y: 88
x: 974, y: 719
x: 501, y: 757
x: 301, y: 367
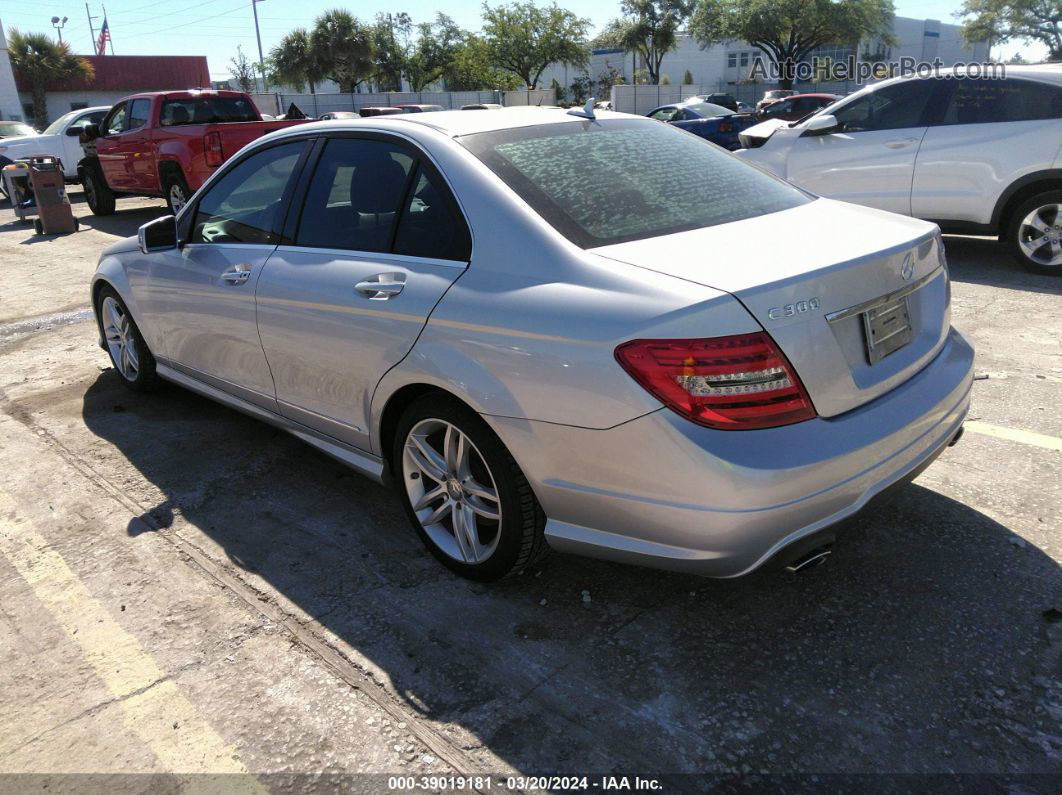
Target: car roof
x: 456, y: 123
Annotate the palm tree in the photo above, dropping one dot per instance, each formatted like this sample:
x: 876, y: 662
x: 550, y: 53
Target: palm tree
x: 39, y: 61
x: 343, y: 47
x: 294, y: 62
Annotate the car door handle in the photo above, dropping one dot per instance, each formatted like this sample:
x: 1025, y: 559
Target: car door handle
x: 238, y: 275
x: 381, y: 286
x: 900, y: 143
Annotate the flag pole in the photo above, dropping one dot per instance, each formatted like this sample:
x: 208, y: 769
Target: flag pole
x: 92, y: 30
x: 110, y: 38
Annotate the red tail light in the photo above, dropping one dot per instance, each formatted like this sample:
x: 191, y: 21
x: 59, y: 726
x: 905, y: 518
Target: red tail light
x: 729, y: 383
x: 212, y: 146
x: 725, y: 126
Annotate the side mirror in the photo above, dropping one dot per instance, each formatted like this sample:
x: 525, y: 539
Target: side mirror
x: 822, y: 125
x: 90, y: 131
x: 158, y: 235
x: 74, y: 132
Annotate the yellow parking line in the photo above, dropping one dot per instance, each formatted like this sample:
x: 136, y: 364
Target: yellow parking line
x: 1014, y: 435
x: 153, y: 706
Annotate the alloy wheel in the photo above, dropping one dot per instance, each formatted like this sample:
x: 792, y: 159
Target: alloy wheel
x: 452, y: 491
x: 177, y: 198
x: 1040, y: 235
x: 121, y: 342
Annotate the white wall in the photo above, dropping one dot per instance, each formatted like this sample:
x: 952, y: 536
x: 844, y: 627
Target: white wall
x: 59, y: 101
x: 10, y: 108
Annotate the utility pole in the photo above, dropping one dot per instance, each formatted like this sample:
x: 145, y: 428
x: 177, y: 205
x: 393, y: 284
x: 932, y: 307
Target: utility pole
x: 92, y: 30
x: 258, y: 34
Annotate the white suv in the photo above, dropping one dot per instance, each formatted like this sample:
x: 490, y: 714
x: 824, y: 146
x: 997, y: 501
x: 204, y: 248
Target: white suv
x: 976, y: 156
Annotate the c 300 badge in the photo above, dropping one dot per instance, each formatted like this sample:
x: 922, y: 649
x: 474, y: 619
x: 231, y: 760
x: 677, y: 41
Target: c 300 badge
x: 793, y: 309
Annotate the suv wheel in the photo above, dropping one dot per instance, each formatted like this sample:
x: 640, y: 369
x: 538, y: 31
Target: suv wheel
x: 98, y: 195
x: 464, y: 494
x: 1035, y: 233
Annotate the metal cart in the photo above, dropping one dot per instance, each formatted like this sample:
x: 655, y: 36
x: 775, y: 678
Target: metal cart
x: 37, y: 189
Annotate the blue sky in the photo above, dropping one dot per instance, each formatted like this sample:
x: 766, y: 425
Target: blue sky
x: 215, y: 27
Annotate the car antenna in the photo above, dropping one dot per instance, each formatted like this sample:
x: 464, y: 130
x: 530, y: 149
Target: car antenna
x: 586, y: 113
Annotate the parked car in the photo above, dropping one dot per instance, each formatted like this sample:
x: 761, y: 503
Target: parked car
x: 61, y: 139
x: 726, y: 100
x: 976, y: 156
x: 378, y: 111
x: 773, y: 96
x: 539, y: 350
x: 166, y: 143
x: 744, y: 107
x: 11, y: 129
x: 797, y: 106
x: 482, y: 106
x: 338, y: 114
x: 714, y: 122
x: 415, y: 108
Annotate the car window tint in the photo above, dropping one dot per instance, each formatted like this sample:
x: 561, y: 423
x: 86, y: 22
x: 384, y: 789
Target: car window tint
x: 429, y: 226
x: 664, y: 114
x: 90, y: 118
x: 614, y: 180
x: 355, y: 195
x: 206, y: 110
x: 708, y: 110
x: 987, y: 101
x: 243, y: 206
x: 138, y: 113
x: 891, y: 108
x: 115, y: 121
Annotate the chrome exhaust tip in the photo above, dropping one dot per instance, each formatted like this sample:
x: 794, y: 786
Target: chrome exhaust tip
x: 810, y: 560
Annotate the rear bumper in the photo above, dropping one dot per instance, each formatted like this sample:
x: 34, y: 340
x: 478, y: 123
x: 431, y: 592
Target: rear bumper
x: 663, y: 492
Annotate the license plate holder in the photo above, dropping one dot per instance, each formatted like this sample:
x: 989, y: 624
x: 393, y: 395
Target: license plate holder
x: 887, y: 328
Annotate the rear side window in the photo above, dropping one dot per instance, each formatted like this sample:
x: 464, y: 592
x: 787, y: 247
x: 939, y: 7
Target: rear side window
x: 355, y: 196
x: 244, y: 205
x: 893, y: 107
x: 610, y: 181
x: 430, y: 226
x: 987, y: 101
x: 206, y: 110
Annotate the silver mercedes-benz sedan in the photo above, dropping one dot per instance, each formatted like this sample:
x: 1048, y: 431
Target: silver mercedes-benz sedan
x: 600, y: 335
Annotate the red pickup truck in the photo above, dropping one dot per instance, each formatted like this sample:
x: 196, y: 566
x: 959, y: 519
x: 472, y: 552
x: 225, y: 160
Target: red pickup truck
x: 166, y: 143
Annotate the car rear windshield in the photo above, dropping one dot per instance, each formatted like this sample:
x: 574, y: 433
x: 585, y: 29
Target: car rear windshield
x: 206, y: 110
x: 709, y: 110
x: 616, y: 180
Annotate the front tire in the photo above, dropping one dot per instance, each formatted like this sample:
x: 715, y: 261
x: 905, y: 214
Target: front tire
x: 98, y: 196
x: 129, y: 353
x: 1035, y: 234
x: 463, y: 493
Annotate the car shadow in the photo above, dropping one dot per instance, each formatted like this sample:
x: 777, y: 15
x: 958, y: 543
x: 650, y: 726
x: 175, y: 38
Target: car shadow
x: 987, y: 261
x: 917, y: 648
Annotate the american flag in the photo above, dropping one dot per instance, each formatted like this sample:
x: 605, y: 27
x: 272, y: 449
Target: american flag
x: 105, y: 36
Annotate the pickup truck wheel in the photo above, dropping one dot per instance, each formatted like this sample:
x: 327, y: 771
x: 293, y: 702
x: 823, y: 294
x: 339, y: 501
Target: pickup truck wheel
x: 177, y: 191
x: 98, y: 195
x: 1035, y: 233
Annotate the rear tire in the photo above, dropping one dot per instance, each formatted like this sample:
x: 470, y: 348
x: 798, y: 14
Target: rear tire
x: 483, y: 521
x: 1035, y: 233
x: 125, y: 344
x: 176, y: 190
x: 98, y: 196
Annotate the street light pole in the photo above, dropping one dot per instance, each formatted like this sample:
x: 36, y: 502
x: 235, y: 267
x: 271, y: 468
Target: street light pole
x: 58, y: 25
x: 258, y: 34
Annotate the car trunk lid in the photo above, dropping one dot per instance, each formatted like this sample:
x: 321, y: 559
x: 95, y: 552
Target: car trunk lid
x: 823, y: 279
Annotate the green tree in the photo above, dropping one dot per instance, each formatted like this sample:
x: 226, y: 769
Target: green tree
x: 38, y: 60
x: 525, y: 39
x: 294, y: 62
x: 648, y: 28
x: 437, y: 46
x: 242, y: 70
x: 1000, y: 21
x: 687, y: 78
x: 391, y: 36
x: 343, y: 47
x: 788, y: 30
x: 473, y: 68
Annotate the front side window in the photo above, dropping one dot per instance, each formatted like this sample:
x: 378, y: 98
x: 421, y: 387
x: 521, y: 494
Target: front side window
x: 614, y: 180
x: 244, y: 205
x: 894, y: 107
x: 138, y: 113
x: 115, y: 121
x: 987, y: 101
x: 355, y: 195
